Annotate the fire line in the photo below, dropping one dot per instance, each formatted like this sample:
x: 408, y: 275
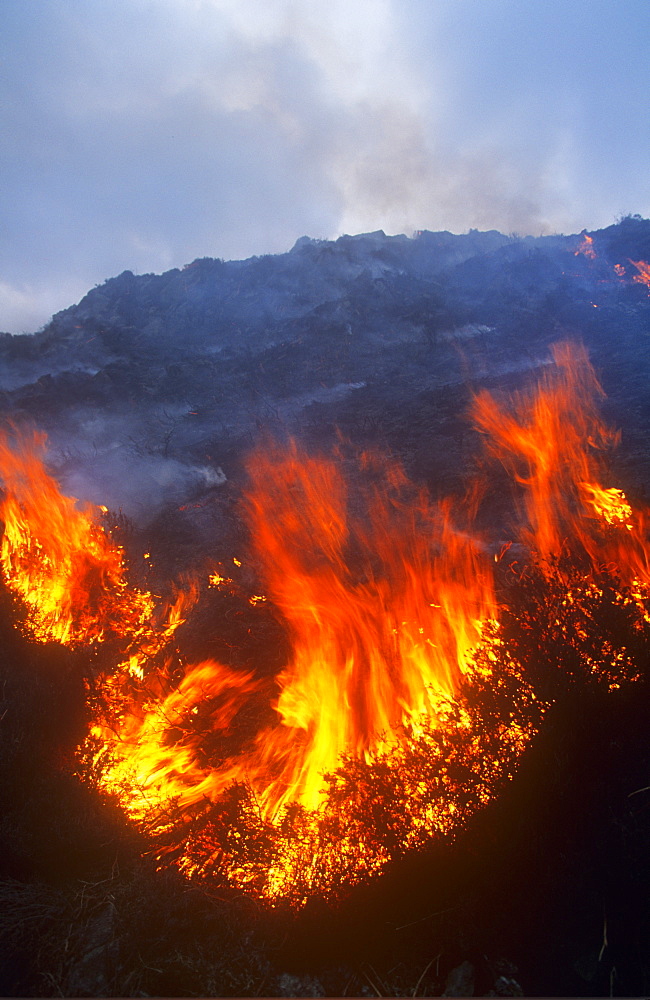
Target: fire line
x: 386, y: 598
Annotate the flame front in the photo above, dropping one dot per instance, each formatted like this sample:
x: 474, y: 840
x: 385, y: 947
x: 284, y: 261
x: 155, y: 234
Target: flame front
x: 386, y: 598
x: 383, y: 606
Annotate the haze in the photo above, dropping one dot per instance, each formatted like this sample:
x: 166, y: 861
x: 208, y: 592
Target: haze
x: 141, y: 134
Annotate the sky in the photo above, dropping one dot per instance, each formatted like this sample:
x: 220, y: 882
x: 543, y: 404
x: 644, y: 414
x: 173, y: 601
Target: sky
x: 142, y: 134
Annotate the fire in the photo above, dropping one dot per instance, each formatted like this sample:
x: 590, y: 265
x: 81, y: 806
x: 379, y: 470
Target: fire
x: 56, y: 556
x: 389, y: 600
x: 643, y: 277
x: 384, y: 600
x: 586, y: 248
x: 147, y: 765
x: 553, y: 442
x: 611, y: 505
x: 64, y: 566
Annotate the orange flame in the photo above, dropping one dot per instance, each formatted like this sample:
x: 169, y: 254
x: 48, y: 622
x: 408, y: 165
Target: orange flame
x: 643, y: 277
x: 553, y: 442
x: 586, y: 248
x: 384, y: 601
x: 56, y: 556
x: 385, y: 597
x: 65, y: 567
x: 151, y: 767
x: 384, y: 606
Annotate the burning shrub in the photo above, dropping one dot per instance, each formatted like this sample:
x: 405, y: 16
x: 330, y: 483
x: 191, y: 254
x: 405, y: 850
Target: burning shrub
x: 408, y: 696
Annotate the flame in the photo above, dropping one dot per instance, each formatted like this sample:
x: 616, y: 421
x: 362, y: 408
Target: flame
x: 384, y: 605
x: 384, y: 599
x: 155, y: 630
x: 586, y: 248
x: 155, y: 770
x: 643, y: 277
x: 386, y: 596
x: 56, y: 556
x: 69, y: 573
x: 553, y: 442
x: 609, y: 504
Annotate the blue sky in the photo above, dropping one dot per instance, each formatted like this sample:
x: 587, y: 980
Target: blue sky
x: 141, y: 134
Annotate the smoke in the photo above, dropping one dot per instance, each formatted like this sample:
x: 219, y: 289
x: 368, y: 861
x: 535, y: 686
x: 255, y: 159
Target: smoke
x: 127, y: 463
x: 139, y: 488
x: 145, y: 134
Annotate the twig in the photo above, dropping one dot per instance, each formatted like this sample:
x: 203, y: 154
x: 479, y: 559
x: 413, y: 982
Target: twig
x: 417, y: 985
x: 612, y: 977
x: 604, y: 945
x: 151, y: 968
x: 374, y: 985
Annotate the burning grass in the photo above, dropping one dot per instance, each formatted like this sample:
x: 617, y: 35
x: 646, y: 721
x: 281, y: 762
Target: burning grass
x: 419, y: 669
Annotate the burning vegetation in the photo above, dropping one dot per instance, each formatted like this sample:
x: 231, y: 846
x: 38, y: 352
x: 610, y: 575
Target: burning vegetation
x: 420, y: 666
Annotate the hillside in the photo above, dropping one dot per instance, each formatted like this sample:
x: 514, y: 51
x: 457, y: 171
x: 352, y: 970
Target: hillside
x: 153, y: 387
x: 354, y: 716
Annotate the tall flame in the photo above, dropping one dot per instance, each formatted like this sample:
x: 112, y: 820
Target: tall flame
x: 55, y: 554
x: 553, y: 442
x: 69, y: 573
x: 384, y: 601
